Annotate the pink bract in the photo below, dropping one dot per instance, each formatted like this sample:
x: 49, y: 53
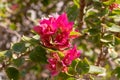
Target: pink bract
x: 52, y: 66
x: 71, y: 55
x: 63, y: 23
x: 55, y: 32
x: 57, y: 64
x: 114, y: 6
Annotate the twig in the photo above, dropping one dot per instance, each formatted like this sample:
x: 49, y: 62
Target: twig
x: 81, y: 14
x: 8, y: 62
x: 103, y: 50
x: 100, y: 56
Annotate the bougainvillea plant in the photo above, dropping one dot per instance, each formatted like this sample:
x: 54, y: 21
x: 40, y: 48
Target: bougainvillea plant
x: 55, y: 33
x: 81, y: 43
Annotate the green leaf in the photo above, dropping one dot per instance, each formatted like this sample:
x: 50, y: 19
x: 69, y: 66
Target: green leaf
x: 2, y: 56
x: 8, y: 54
x: 18, y: 62
x: 74, y: 33
x: 116, y: 12
x: 117, y: 40
x: 108, y: 2
x: 97, y: 4
x: 12, y: 73
x: 46, y: 2
x: 96, y: 70
x: 2, y: 53
x: 117, y: 61
x: 95, y: 39
x: 61, y: 76
x: 25, y: 38
x: 72, y: 12
x: 32, y: 41
x: 71, y: 70
x: 82, y: 66
x: 74, y: 63
x: 94, y: 31
x: 91, y: 13
x: 112, y: 52
x: 96, y: 0
x: 5, y: 54
x: 103, y: 12
x: 2, y: 14
x: 71, y: 78
x: 77, y: 3
x: 116, y: 71
x: 19, y: 47
x: 38, y: 55
x: 104, y: 40
x: 117, y: 1
x: 13, y: 26
x: 107, y: 38
x: 114, y: 28
x: 37, y: 37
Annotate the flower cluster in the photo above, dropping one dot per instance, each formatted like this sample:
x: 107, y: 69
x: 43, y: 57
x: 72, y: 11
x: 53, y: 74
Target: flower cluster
x: 55, y: 33
x: 58, y: 64
x: 114, y: 6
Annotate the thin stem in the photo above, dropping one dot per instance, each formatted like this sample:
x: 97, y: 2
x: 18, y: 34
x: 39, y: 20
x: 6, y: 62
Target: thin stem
x: 81, y: 14
x: 8, y: 62
x: 100, y: 56
x: 102, y: 50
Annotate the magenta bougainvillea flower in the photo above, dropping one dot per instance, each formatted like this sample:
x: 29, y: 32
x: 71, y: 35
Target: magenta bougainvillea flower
x: 55, y: 32
x: 57, y: 64
x: 71, y: 55
x: 52, y: 66
x: 114, y: 6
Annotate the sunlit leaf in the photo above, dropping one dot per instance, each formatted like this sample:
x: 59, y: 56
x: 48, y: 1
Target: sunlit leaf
x: 74, y: 34
x: 77, y: 3
x: 96, y: 70
x: 114, y: 28
x: 13, y: 26
x: 71, y: 78
x: 117, y: 40
x: 109, y: 2
x: 2, y: 53
x: 112, y: 52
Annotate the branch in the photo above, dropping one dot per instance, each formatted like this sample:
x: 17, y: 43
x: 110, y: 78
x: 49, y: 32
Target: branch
x: 8, y: 62
x: 81, y: 14
x: 104, y: 49
x: 100, y: 56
